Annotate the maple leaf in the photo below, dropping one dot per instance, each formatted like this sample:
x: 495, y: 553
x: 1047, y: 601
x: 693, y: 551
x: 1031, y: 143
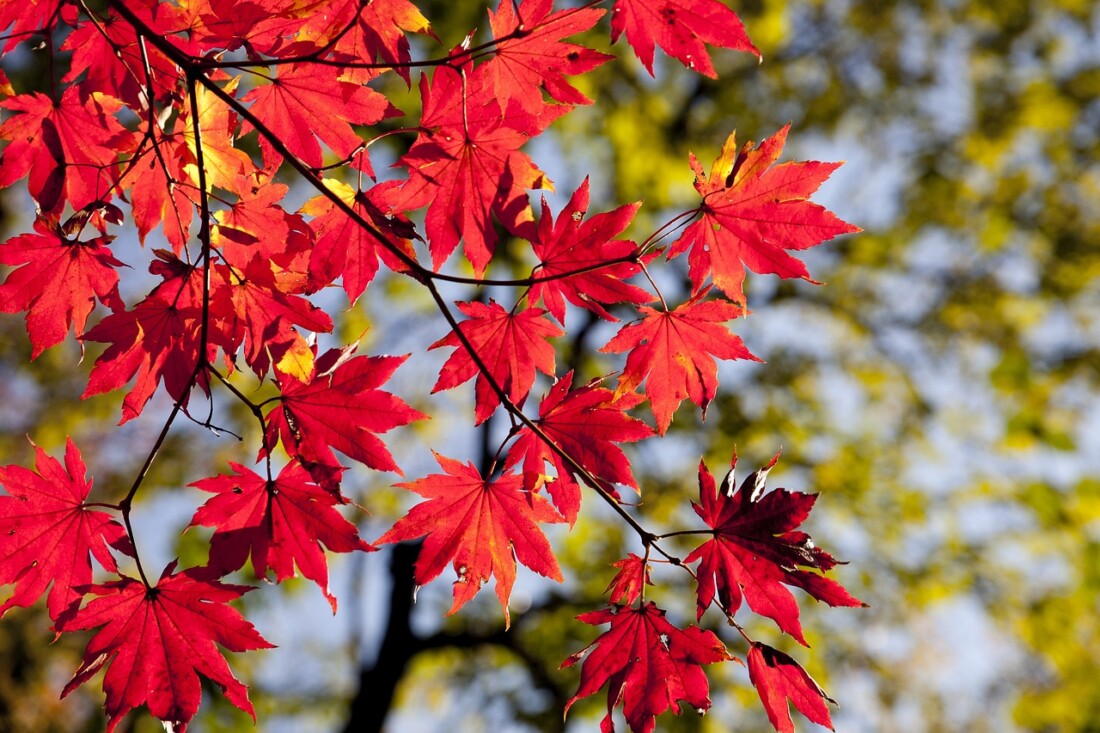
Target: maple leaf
x: 363, y: 32
x: 225, y: 164
x: 155, y: 642
x: 753, y: 212
x: 305, y: 101
x: 647, y: 663
x: 466, y: 166
x: 674, y: 352
x: 111, y: 59
x: 755, y: 550
x: 585, y: 423
x: 158, y: 340
x: 536, y: 57
x: 682, y: 28
x: 511, y: 345
x: 627, y: 585
x: 58, y: 282
x: 338, y: 406
x: 228, y: 25
x: 346, y: 249
x: 778, y: 678
x: 257, y: 227
x: 156, y: 196
x: 48, y: 535
x: 27, y: 17
x: 575, y: 256
x: 481, y: 527
x: 280, y: 523
x: 67, y: 151
x: 263, y: 315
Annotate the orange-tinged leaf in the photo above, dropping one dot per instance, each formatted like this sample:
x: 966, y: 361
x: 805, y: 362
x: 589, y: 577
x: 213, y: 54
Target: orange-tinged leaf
x: 344, y: 249
x: 480, y: 527
x: 753, y: 212
x: 297, y: 360
x: 225, y: 163
x: 674, y: 351
x: 511, y: 345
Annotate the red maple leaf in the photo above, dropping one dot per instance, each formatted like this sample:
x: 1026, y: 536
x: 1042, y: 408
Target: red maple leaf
x: 778, y: 678
x: 511, y: 345
x: 67, y: 151
x: 111, y: 59
x: 339, y: 406
x: 674, y: 352
x: 585, y: 423
x: 753, y: 212
x: 59, y: 281
x: 536, y: 57
x: 627, y: 585
x: 648, y: 664
x: 155, y: 642
x: 466, y: 167
x: 158, y: 340
x: 481, y: 527
x: 256, y: 225
x: 228, y: 25
x: 576, y: 254
x: 682, y: 28
x: 346, y: 249
x: 280, y: 523
x: 156, y: 194
x: 263, y: 315
x: 48, y: 535
x: 27, y: 17
x: 306, y: 100
x: 377, y: 33
x: 755, y: 550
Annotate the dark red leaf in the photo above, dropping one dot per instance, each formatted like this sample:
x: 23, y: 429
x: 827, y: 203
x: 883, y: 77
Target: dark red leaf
x: 47, y: 535
x: 155, y: 642
x: 648, y: 665
x: 778, y: 678
x: 755, y: 550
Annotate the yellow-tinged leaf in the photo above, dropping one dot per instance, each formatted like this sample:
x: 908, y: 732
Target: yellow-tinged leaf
x: 297, y: 362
